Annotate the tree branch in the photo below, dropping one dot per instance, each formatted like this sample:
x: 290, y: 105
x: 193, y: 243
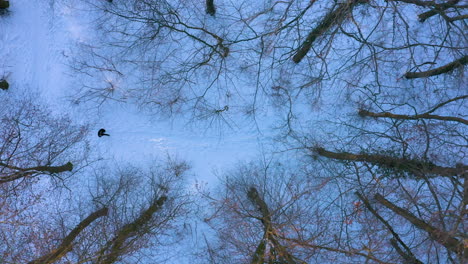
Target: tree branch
x: 29, y: 171
x: 449, y: 242
x: 428, y: 3
x: 341, y: 251
x: 415, y: 167
x: 270, y: 232
x: 443, y: 69
x: 407, y: 255
x: 128, y: 231
x: 455, y: 18
x: 67, y: 243
x: 413, y: 117
x: 424, y: 16
x: 334, y: 17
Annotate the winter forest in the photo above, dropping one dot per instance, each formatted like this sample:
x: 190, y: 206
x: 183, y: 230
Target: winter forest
x: 265, y: 131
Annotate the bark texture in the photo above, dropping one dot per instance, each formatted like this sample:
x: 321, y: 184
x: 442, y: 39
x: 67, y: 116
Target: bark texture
x: 418, y: 168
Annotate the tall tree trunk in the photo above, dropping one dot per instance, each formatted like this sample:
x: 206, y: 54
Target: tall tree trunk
x: 334, y: 17
x: 67, y: 243
x: 210, y: 7
x: 116, y: 245
x: 412, y: 117
x: 418, y: 168
x: 449, y: 242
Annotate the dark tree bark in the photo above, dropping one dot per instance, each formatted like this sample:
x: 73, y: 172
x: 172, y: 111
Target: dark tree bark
x: 418, y: 168
x: 433, y: 4
x: 413, y: 117
x: 270, y: 234
x: 25, y: 172
x: 408, y: 257
x: 210, y: 7
x: 396, y: 241
x: 437, y: 71
x: 54, y: 169
x: 333, y: 18
x: 4, y: 4
x: 4, y: 85
x: 455, y: 18
x: 442, y: 237
x: 465, y: 195
x: 67, y: 243
x: 424, y: 16
x: 117, y: 245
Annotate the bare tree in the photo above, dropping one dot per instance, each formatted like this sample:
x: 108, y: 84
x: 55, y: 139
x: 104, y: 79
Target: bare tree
x: 67, y: 243
x: 129, y: 214
x: 173, y: 60
x: 147, y: 211
x: 101, y: 216
x: 39, y: 151
x: 34, y: 142
x: 272, y: 212
x: 410, y: 173
x: 373, y: 92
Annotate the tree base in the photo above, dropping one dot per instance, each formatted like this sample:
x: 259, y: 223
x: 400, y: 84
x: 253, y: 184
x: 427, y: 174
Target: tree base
x: 4, y: 4
x: 4, y: 85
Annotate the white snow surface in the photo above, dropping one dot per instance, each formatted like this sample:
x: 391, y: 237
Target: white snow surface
x: 37, y: 38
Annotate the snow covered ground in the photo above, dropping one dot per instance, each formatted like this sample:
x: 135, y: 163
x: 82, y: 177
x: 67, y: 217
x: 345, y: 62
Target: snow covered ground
x: 37, y: 38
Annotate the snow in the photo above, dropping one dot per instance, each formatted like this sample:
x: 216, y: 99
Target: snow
x: 37, y: 39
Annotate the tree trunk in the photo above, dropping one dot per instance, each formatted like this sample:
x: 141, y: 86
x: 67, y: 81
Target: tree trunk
x: 4, y: 4
x: 129, y: 230
x: 25, y: 172
x: 406, y: 254
x: 413, y: 117
x: 443, y: 69
x: 335, y: 17
x: 67, y: 243
x: 3, y: 83
x: 418, y: 168
x: 438, y: 235
x: 54, y: 169
x: 210, y: 8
